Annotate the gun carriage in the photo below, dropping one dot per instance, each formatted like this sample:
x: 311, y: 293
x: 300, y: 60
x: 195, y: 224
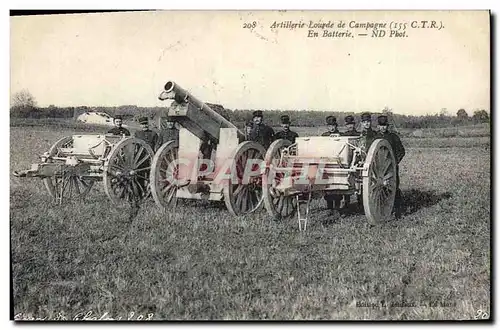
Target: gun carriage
x: 74, y: 163
x: 329, y: 165
x: 210, y: 161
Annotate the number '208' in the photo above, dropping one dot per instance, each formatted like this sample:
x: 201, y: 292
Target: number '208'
x: 251, y: 25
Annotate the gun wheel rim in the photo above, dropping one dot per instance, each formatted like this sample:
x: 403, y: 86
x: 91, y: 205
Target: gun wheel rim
x: 67, y: 187
x: 164, y: 172
x: 127, y: 171
x: 379, y: 182
x: 241, y: 198
x: 278, y: 206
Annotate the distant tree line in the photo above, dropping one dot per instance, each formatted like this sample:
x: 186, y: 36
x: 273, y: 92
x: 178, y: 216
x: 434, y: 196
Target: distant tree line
x: 24, y: 106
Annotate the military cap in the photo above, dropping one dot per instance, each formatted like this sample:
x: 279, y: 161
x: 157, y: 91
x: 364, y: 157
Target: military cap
x: 143, y: 120
x: 118, y: 117
x: 366, y: 116
x: 285, y: 119
x: 349, y: 119
x: 331, y: 120
x: 382, y: 120
x: 257, y: 113
x: 249, y: 124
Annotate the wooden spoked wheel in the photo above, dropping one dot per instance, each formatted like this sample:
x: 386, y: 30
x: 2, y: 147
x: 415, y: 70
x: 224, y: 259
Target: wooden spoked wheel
x: 164, y: 174
x: 379, y: 181
x: 277, y: 205
x: 65, y: 186
x: 243, y: 193
x: 127, y: 171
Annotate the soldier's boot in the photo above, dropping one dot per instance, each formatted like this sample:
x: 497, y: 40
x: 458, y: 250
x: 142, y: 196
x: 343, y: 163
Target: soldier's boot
x: 329, y: 204
x: 397, y: 204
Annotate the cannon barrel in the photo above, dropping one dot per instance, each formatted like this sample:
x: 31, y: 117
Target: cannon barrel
x: 174, y: 92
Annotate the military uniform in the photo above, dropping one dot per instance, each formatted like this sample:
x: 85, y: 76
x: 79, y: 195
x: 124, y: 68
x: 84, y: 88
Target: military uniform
x: 350, y: 120
x: 286, y: 134
x: 169, y: 134
x: 331, y: 121
x: 119, y: 131
x: 148, y: 135
x: 399, y: 153
x: 248, y: 130
x: 367, y: 135
x: 261, y: 133
x: 332, y: 201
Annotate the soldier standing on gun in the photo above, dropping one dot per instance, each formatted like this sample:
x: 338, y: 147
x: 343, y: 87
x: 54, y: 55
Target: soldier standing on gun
x: 331, y: 121
x: 350, y: 126
x: 118, y: 129
x: 261, y: 133
x: 147, y: 135
x: 399, y: 153
x: 286, y: 133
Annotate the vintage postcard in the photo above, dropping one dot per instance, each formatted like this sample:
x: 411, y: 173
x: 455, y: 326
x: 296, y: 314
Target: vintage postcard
x: 250, y: 165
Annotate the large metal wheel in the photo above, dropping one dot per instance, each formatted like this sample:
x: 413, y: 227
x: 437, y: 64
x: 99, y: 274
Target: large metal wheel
x: 126, y: 171
x: 68, y: 186
x: 277, y: 205
x: 379, y: 181
x: 164, y: 174
x: 244, y: 197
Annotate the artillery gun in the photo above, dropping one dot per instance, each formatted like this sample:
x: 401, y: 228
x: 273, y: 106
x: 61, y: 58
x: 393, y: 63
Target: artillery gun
x: 211, y: 160
x: 333, y: 165
x: 74, y: 163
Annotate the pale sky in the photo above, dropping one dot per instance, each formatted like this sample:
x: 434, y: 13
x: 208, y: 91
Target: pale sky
x: 114, y: 59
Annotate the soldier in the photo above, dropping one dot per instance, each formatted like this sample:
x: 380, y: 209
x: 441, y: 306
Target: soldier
x: 118, y: 129
x: 146, y: 134
x: 168, y: 133
x: 248, y: 129
x: 399, y: 153
x: 286, y: 133
x: 350, y: 126
x: 261, y: 133
x: 331, y: 121
x: 332, y: 201
x: 367, y: 133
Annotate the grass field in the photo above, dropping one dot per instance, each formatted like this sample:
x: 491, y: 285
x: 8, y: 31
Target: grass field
x: 88, y: 258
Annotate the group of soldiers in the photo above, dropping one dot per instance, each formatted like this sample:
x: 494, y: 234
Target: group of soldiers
x: 154, y: 139
x: 257, y: 131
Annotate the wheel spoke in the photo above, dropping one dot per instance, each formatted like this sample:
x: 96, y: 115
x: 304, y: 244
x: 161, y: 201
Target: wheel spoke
x: 238, y: 199
x: 243, y: 200
x: 388, y: 176
x: 166, y: 188
x: 141, y: 188
x: 386, y: 167
x: 138, y: 153
x: 136, y: 165
x: 238, y: 190
x: 170, y: 194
